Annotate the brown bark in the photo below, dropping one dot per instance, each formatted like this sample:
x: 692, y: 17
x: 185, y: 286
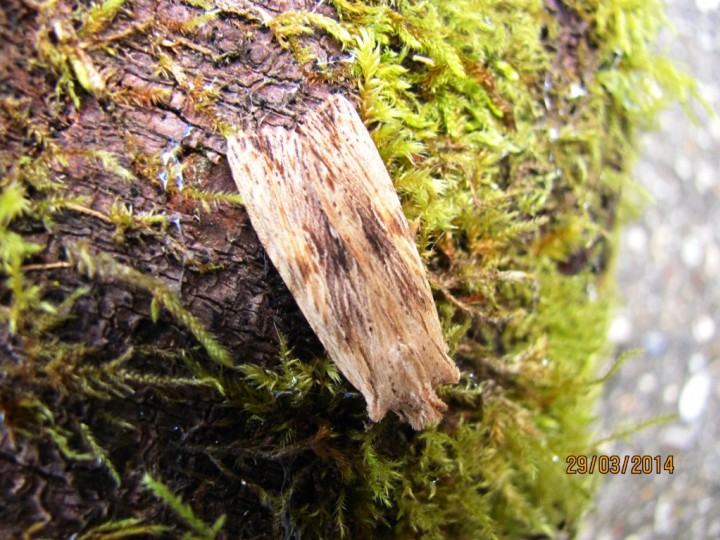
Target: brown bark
x: 159, y: 80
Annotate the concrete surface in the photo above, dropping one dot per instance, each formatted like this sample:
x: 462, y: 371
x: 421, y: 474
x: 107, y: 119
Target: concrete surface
x: 668, y: 272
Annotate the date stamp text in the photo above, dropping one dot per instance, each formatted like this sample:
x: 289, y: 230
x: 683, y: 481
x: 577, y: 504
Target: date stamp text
x: 613, y: 464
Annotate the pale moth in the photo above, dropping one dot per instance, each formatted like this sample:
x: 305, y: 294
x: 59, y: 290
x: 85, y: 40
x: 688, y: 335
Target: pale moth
x: 324, y: 208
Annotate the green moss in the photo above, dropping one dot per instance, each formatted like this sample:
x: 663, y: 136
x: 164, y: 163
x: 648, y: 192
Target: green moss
x: 125, y: 528
x: 512, y: 168
x: 200, y: 530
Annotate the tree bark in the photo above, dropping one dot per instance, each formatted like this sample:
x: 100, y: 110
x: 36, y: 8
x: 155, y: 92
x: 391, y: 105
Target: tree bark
x: 136, y: 154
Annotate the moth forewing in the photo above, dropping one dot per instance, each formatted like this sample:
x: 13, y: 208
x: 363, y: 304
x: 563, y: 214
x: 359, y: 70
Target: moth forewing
x: 322, y: 204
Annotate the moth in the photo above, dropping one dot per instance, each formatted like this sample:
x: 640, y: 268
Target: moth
x: 324, y: 208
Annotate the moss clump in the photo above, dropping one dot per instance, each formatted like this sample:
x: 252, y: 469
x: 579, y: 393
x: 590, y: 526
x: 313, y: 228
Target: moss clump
x: 511, y: 154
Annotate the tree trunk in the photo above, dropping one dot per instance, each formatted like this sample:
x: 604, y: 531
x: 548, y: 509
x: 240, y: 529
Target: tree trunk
x: 157, y: 377
x: 116, y: 120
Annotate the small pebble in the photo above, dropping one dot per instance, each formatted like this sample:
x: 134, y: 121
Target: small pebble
x: 714, y: 125
x: 703, y: 329
x: 664, y: 523
x: 694, y: 396
x: 706, y: 177
x: 662, y: 244
x: 692, y: 252
x: 620, y: 330
x: 670, y: 393
x: 681, y: 438
x: 706, y: 41
x: 712, y: 261
x: 697, y: 362
x: 654, y: 342
x: 636, y: 238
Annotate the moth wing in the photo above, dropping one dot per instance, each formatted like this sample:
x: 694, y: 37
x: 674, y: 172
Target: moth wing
x: 376, y: 221
x: 324, y: 208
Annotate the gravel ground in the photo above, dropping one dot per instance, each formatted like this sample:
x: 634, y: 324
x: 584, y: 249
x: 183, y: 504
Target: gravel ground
x: 668, y: 272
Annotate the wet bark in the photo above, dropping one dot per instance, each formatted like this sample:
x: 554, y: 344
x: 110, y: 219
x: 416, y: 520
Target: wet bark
x: 164, y: 96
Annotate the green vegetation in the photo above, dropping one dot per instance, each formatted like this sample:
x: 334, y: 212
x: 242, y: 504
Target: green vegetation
x: 512, y: 159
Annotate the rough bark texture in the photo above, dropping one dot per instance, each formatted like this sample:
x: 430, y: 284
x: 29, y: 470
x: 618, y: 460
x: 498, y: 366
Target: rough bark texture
x: 210, y: 257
